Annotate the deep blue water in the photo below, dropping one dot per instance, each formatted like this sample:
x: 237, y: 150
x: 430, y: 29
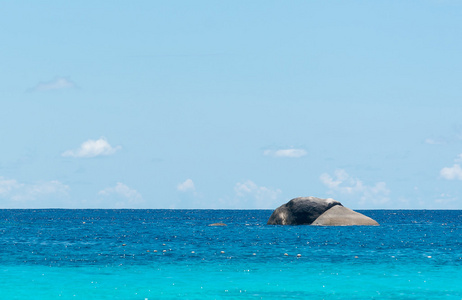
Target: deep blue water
x: 167, y: 254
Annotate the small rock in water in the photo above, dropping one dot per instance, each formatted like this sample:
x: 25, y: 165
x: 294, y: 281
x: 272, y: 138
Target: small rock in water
x: 218, y: 224
x: 299, y: 255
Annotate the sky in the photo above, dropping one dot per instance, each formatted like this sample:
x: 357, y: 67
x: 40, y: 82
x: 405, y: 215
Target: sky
x: 230, y: 104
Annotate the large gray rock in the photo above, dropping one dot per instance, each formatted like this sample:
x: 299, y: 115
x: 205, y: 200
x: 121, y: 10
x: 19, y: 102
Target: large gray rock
x: 342, y: 216
x: 301, y: 211
x: 317, y: 211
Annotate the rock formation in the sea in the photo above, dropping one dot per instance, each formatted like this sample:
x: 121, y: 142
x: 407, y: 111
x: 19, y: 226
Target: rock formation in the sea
x: 317, y: 211
x: 218, y: 224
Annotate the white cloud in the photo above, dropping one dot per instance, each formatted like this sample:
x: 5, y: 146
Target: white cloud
x: 92, y: 148
x: 434, y: 141
x: 458, y: 158
x: 450, y: 173
x: 344, y: 184
x: 186, y: 186
x: 20, y: 193
x: 445, y: 199
x: 59, y: 83
x: 294, y: 153
x: 7, y: 185
x: 262, y: 197
x: 124, y: 197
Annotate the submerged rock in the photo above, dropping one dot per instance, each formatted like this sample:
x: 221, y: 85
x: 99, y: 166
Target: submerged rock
x: 317, y: 211
x: 218, y: 224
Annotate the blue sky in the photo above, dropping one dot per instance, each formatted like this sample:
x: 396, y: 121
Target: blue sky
x: 230, y: 104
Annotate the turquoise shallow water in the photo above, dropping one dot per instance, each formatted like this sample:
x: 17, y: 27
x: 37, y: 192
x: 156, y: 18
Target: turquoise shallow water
x: 166, y: 254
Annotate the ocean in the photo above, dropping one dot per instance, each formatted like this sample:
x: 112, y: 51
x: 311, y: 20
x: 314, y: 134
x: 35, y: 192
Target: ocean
x: 171, y: 254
